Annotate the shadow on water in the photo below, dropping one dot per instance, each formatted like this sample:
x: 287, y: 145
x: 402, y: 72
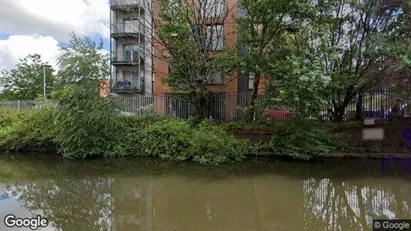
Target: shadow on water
x: 257, y: 194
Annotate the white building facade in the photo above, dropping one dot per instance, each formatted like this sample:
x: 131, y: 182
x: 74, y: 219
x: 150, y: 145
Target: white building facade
x: 131, y: 46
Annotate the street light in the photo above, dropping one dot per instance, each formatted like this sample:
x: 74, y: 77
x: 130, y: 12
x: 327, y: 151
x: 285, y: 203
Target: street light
x: 44, y: 80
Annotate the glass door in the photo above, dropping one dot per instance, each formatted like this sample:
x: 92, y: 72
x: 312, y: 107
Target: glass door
x: 135, y: 80
x: 127, y: 53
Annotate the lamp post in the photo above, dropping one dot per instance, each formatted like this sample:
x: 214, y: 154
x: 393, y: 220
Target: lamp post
x: 44, y: 80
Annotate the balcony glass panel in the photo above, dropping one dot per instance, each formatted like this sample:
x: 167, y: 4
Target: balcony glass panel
x: 126, y: 2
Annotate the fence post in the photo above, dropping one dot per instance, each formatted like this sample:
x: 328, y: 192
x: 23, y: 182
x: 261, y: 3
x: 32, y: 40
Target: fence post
x: 18, y: 105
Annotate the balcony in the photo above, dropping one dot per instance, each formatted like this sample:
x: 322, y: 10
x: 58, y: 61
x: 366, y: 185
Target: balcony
x: 128, y: 30
x: 127, y: 58
x: 128, y: 5
x: 126, y: 86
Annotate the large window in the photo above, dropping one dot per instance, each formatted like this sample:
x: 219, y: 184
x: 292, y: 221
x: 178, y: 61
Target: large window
x: 131, y: 53
x: 214, y: 36
x: 133, y: 78
x: 212, y: 8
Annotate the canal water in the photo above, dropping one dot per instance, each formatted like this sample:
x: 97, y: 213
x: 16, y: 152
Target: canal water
x: 257, y: 194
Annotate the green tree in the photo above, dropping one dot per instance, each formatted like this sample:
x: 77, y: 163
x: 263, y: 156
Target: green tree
x: 295, y: 75
x: 190, y: 37
x: 354, y: 39
x: 260, y: 29
x: 82, y: 61
x: 85, y: 122
x: 26, y: 81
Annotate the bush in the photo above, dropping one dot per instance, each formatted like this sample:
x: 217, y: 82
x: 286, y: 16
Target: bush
x: 173, y: 139
x: 303, y: 140
x: 133, y: 132
x: 26, y: 130
x: 166, y: 139
x: 86, y: 124
x: 212, y: 145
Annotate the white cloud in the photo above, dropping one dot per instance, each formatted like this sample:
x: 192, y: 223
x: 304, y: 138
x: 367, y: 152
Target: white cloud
x: 19, y: 46
x: 56, y: 18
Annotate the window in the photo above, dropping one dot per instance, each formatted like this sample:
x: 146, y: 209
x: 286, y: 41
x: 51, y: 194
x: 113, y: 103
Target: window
x: 131, y: 53
x: 216, y: 78
x: 131, y: 80
x: 212, y: 8
x: 135, y: 80
x: 215, y: 37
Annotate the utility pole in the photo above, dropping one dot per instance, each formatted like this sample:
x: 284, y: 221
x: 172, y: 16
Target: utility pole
x: 44, y: 80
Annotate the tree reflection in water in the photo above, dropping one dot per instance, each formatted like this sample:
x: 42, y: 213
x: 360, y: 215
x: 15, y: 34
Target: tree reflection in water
x: 69, y: 204
x: 282, y: 196
x: 338, y: 205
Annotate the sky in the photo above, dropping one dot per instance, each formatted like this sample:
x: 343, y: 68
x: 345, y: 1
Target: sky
x: 39, y: 26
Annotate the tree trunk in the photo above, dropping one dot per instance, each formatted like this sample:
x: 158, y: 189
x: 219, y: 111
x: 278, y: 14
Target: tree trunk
x: 339, y: 108
x: 251, y: 109
x: 358, y: 107
x: 201, y: 102
x: 338, y: 114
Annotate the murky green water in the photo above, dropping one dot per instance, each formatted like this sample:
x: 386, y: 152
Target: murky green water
x: 258, y: 194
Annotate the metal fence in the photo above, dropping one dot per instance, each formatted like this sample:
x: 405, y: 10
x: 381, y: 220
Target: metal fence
x: 232, y: 107
x: 19, y: 104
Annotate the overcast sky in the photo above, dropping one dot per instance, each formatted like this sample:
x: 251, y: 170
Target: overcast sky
x: 39, y: 26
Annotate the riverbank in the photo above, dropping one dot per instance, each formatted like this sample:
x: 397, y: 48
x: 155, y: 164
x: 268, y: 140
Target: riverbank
x: 349, y: 133
x: 344, y: 155
x: 88, y: 134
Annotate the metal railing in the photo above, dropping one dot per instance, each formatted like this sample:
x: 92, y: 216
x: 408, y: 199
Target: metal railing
x: 127, y: 56
x: 233, y: 107
x: 134, y: 28
x: 127, y: 2
x: 126, y: 85
x: 24, y: 104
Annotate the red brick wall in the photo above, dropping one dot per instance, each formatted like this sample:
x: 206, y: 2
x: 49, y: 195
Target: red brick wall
x: 230, y: 39
x: 104, y: 88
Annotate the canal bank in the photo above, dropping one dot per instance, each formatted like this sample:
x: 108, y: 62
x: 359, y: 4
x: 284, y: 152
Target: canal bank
x: 343, y: 155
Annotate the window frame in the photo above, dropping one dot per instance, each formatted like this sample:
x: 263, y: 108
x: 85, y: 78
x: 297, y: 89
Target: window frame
x: 212, y: 33
x: 213, y: 8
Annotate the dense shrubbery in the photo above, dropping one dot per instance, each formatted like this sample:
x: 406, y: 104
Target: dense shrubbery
x: 86, y: 124
x: 173, y: 139
x: 77, y: 134
x: 26, y: 130
x: 297, y: 139
x: 304, y: 142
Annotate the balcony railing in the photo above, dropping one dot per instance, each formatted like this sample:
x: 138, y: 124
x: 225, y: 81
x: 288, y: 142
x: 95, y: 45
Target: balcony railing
x: 127, y: 2
x: 132, y: 57
x: 129, y: 5
x: 126, y: 86
x: 128, y: 28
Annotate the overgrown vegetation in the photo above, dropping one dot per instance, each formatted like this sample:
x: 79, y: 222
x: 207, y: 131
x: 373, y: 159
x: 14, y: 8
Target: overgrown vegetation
x: 90, y: 127
x: 26, y: 130
x: 297, y: 139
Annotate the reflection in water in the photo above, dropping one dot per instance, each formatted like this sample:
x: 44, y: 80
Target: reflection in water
x: 243, y: 199
x: 339, y: 205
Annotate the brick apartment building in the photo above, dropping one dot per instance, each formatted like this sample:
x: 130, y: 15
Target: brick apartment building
x: 135, y: 70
